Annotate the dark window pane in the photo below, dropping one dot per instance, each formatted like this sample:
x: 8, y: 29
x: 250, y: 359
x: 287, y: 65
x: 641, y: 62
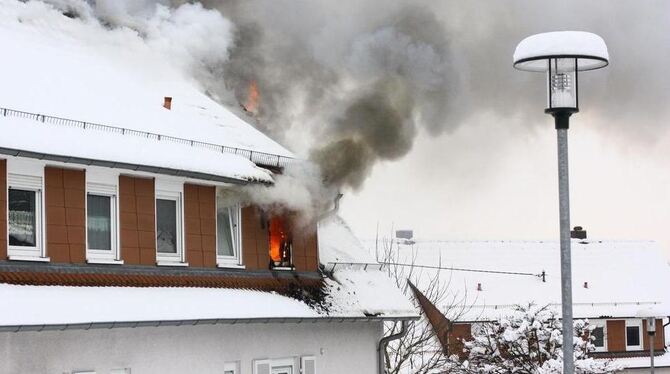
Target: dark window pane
x: 166, y: 222
x: 632, y: 335
x: 599, y: 337
x: 224, y: 233
x: 99, y: 222
x: 22, y: 218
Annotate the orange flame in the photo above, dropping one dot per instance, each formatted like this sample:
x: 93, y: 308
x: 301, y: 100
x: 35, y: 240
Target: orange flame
x: 253, y: 98
x: 277, y: 236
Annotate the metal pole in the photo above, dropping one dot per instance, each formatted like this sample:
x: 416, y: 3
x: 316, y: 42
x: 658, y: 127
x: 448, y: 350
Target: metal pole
x: 566, y: 262
x: 651, y: 351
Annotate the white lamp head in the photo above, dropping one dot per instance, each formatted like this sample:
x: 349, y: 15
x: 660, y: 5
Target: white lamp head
x: 561, y: 54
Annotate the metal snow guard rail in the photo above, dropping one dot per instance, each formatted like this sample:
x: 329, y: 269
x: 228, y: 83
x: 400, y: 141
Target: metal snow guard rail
x: 258, y: 158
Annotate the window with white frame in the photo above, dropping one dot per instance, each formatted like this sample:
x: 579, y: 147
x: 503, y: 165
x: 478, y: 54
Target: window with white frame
x: 25, y: 220
x: 231, y: 368
x: 228, y: 231
x: 101, y: 223
x: 634, y: 335
x: 291, y: 365
x: 599, y: 335
x: 169, y: 224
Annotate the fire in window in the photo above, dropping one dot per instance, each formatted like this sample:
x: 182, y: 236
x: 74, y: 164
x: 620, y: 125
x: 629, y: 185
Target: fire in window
x: 280, y: 242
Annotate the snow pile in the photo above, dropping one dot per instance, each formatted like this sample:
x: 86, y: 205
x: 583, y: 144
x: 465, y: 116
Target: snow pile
x: 610, y: 278
x: 357, y: 289
x: 53, y: 305
x: 77, y: 68
x: 589, y: 47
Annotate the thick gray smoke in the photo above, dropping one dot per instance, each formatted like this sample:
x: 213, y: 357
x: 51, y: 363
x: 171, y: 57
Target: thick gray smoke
x: 347, y: 92
x: 350, y: 83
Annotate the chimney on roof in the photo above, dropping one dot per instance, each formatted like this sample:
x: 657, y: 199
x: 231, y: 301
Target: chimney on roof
x: 167, y: 102
x: 578, y: 233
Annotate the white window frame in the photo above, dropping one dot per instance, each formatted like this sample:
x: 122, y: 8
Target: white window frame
x: 634, y: 323
x: 28, y: 179
x: 277, y: 363
x: 233, y: 367
x: 102, y: 256
x: 303, y: 361
x: 601, y: 324
x: 171, y: 190
x: 234, y: 261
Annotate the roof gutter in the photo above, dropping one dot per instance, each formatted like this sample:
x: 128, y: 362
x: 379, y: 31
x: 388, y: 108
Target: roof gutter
x: 122, y: 165
x: 195, y: 322
x: 381, y: 350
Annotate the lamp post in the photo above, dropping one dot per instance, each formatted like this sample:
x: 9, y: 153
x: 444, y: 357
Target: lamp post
x: 562, y: 55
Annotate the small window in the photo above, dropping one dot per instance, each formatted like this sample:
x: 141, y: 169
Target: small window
x: 598, y: 335
x: 231, y: 368
x: 99, y: 222
x: 281, y: 243
x: 169, y: 243
x: 166, y: 226
x: 23, y: 218
x: 227, y: 232
x: 633, y: 336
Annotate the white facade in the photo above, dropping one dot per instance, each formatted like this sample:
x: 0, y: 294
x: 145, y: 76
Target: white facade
x: 346, y: 347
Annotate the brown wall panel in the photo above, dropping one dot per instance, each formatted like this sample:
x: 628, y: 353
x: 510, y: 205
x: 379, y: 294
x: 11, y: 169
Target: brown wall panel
x: 65, y: 196
x: 305, y: 249
x: 3, y: 209
x: 459, y: 332
x: 616, y: 336
x: 137, y: 220
x: 255, y: 246
x: 659, y: 337
x: 200, y: 225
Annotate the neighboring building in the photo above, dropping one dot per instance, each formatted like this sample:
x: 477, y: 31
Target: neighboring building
x: 614, y: 283
x: 127, y: 241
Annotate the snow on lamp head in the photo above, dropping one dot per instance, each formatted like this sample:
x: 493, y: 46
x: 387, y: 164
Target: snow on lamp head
x: 562, y: 55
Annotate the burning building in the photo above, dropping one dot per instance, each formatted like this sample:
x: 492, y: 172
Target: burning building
x: 127, y: 208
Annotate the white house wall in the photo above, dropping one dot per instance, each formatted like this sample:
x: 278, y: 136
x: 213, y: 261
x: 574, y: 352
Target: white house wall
x: 338, y: 347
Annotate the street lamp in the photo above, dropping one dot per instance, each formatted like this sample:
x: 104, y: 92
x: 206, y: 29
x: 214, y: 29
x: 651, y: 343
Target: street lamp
x: 562, y: 55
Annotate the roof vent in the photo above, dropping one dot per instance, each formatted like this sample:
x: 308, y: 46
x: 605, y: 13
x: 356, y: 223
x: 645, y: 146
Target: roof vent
x: 404, y: 234
x: 167, y: 102
x: 578, y: 233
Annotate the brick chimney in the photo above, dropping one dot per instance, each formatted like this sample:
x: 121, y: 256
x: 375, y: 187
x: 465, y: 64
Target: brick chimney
x: 578, y: 233
x: 167, y: 102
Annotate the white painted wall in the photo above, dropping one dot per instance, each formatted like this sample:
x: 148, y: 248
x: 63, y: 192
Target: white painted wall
x: 338, y: 347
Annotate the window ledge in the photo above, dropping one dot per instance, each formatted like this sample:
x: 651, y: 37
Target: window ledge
x: 104, y: 261
x: 283, y: 268
x: 230, y: 266
x: 28, y: 258
x: 171, y: 263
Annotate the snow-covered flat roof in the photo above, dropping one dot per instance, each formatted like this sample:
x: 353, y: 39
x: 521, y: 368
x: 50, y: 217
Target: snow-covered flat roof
x: 59, y: 305
x: 72, y: 68
x: 610, y: 278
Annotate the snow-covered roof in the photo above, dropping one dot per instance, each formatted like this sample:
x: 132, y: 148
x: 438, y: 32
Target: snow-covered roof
x: 71, y: 68
x: 610, y: 278
x: 59, y: 305
x: 532, y: 52
x: 349, y: 293
x: 355, y: 287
